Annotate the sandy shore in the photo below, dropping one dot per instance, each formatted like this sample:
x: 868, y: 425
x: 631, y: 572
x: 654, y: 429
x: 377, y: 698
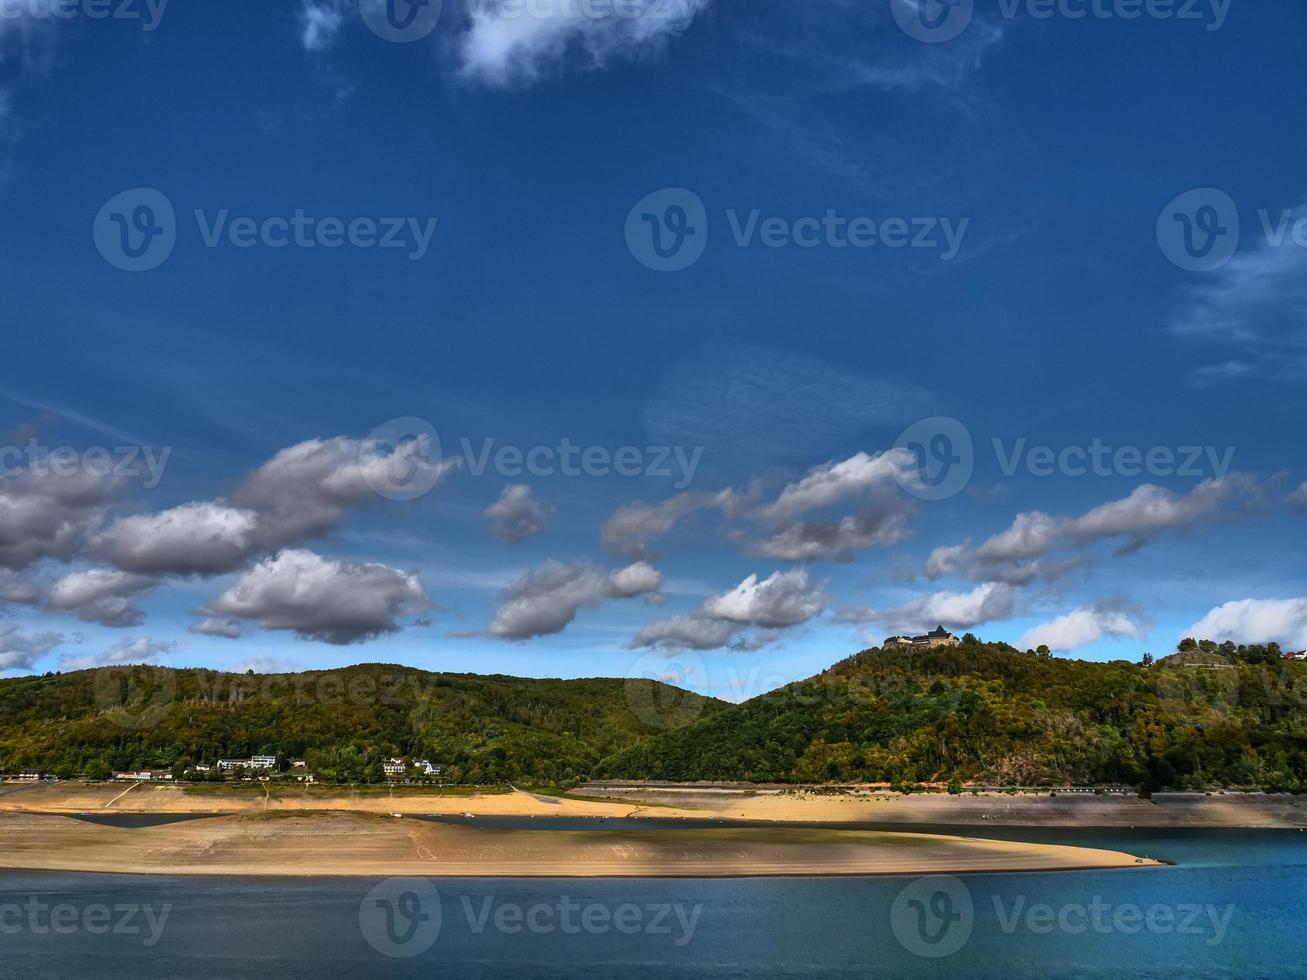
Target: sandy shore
x: 789, y: 806
x: 290, y: 843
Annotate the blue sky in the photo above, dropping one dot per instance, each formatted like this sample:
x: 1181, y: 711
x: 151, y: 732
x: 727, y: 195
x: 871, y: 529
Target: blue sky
x: 964, y: 240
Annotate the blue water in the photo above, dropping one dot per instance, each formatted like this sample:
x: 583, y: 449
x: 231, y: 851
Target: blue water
x: 1254, y: 883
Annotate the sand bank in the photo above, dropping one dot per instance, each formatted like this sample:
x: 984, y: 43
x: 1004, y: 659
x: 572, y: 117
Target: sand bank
x: 292, y: 843
x: 1234, y: 810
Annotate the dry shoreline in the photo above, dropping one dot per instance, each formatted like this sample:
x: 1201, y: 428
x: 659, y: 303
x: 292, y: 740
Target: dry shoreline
x: 767, y: 806
x: 350, y: 844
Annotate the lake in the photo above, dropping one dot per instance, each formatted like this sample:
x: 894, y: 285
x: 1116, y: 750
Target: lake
x: 1233, y: 904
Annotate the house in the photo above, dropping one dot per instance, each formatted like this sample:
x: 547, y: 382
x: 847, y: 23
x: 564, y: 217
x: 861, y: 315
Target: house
x: 227, y: 765
x: 31, y: 776
x: 394, y: 767
x: 263, y: 762
x: 144, y: 776
x: 1300, y: 655
x: 938, y: 637
x: 428, y: 768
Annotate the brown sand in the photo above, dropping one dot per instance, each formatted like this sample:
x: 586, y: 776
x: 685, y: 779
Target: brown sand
x: 349, y: 844
x: 792, y: 806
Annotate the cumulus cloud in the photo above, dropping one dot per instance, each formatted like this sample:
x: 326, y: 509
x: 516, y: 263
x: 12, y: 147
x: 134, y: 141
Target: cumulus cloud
x: 516, y: 515
x: 21, y: 651
x: 194, y: 539
x: 633, y: 526
x: 988, y: 602
x: 1086, y: 625
x: 337, y: 602
x: 1019, y: 554
x: 509, y: 42
x: 872, y: 482
x: 101, y: 595
x: 46, y: 514
x: 547, y: 599
x: 16, y: 588
x: 142, y: 650
x: 305, y: 490
x: 781, y: 601
x: 1282, y: 621
x: 229, y: 629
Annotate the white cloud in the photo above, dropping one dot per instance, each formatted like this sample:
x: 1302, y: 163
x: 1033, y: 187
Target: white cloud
x: 633, y: 526
x: 1083, y: 626
x: 320, y: 22
x: 306, y: 490
x: 1282, y: 621
x: 229, y: 629
x: 101, y: 595
x: 516, y: 515
x: 21, y: 651
x: 44, y: 514
x: 142, y: 650
x: 337, y: 602
x: 781, y: 601
x: 1018, y: 555
x: 509, y: 42
x: 194, y: 539
x: 1298, y: 499
x: 988, y: 602
x: 547, y: 599
x: 872, y: 481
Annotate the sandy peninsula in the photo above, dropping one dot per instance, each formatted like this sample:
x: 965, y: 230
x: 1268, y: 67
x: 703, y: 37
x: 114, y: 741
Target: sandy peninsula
x: 341, y: 843
x: 755, y: 804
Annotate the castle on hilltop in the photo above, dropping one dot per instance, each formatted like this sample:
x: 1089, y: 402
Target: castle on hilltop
x: 938, y: 637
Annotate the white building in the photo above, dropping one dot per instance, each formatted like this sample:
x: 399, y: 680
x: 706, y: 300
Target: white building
x: 394, y: 767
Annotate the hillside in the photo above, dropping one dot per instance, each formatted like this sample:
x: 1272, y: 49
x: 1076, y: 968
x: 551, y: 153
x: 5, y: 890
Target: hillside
x: 991, y: 713
x: 486, y: 729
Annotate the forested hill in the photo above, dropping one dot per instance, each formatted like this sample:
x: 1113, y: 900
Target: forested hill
x: 344, y: 722
x: 1208, y: 716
